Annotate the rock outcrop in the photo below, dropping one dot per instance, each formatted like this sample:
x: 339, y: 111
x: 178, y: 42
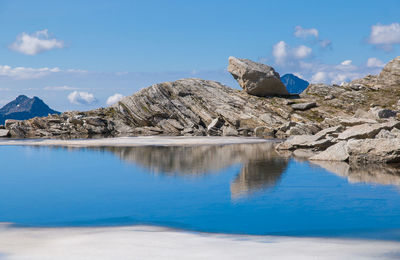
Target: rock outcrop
x: 256, y: 78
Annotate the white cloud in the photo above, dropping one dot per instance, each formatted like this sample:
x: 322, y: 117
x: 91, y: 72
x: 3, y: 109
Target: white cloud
x: 346, y: 62
x: 325, y: 43
x: 59, y: 88
x: 114, y: 99
x: 280, y: 52
x: 81, y: 98
x: 284, y: 54
x: 385, y: 36
x: 301, y: 32
x: 37, y: 42
x: 302, y: 52
x: 375, y: 63
x: 26, y: 73
x: 318, y: 77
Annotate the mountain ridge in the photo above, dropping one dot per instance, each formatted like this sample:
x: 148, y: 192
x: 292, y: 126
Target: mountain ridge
x: 23, y: 108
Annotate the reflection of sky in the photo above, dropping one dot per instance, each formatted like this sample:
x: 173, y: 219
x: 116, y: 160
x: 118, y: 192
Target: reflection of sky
x: 42, y: 186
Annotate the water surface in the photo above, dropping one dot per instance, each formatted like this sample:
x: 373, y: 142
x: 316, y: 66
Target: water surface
x: 246, y: 189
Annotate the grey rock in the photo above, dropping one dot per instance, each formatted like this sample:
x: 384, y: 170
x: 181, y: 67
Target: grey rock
x: 381, y: 113
x: 303, y: 141
x: 374, y: 150
x: 390, y: 74
x: 4, y: 133
x: 366, y: 130
x: 264, y: 132
x: 386, y: 134
x: 337, y: 152
x: 353, y: 121
x: 256, y: 78
x: 304, y: 106
x: 229, y: 131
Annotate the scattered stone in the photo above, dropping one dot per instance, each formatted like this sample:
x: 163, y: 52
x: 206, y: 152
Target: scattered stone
x: 337, y: 152
x: 256, y: 78
x: 329, y: 97
x: 304, y: 106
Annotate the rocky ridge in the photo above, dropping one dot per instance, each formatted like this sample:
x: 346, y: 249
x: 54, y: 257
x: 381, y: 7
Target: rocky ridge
x: 320, y: 121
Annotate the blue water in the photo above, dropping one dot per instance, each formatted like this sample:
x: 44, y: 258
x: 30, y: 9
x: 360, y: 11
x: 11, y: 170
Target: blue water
x: 231, y: 189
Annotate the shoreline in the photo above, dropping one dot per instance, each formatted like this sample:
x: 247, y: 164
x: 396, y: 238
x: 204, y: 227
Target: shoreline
x: 151, y: 242
x: 137, y: 141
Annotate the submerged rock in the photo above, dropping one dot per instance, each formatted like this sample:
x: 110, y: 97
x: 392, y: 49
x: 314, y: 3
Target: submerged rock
x: 256, y: 78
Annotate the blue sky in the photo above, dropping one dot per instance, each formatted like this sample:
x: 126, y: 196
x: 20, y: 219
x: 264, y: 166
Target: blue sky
x: 91, y: 50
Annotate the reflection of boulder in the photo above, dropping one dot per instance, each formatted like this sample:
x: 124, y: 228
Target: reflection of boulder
x: 380, y: 174
x: 193, y: 159
x: 257, y: 175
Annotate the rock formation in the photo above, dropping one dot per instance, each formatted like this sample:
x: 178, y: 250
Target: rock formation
x: 324, y: 122
x: 256, y: 78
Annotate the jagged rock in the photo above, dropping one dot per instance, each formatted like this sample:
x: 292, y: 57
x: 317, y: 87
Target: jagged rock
x: 337, y: 152
x: 374, y: 150
x: 264, y: 132
x: 366, y: 130
x: 4, y: 133
x: 304, y: 106
x: 390, y: 74
x: 256, y: 78
x: 2, y: 127
x: 215, y: 125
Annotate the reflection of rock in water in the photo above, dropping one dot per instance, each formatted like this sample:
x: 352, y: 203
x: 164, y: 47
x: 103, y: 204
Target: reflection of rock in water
x: 257, y: 175
x: 182, y: 160
x: 380, y: 174
x: 261, y: 169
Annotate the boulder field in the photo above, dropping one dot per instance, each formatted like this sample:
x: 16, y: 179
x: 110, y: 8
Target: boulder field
x: 356, y: 121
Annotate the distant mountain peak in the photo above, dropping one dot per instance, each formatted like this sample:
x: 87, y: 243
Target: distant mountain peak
x: 23, y: 108
x: 294, y: 84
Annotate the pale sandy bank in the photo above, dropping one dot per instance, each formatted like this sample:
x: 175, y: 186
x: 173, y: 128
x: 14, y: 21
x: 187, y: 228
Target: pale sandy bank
x: 144, y: 242
x: 136, y: 141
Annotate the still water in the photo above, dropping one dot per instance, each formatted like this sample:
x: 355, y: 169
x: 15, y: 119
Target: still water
x: 246, y: 189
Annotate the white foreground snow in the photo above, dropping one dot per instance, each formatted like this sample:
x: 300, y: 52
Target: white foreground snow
x: 146, y: 242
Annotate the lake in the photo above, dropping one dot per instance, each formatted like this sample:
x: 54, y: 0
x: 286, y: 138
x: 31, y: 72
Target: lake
x: 240, y: 188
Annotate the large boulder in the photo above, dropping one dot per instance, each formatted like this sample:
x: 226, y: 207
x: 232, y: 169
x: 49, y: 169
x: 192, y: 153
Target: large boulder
x: 256, y: 78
